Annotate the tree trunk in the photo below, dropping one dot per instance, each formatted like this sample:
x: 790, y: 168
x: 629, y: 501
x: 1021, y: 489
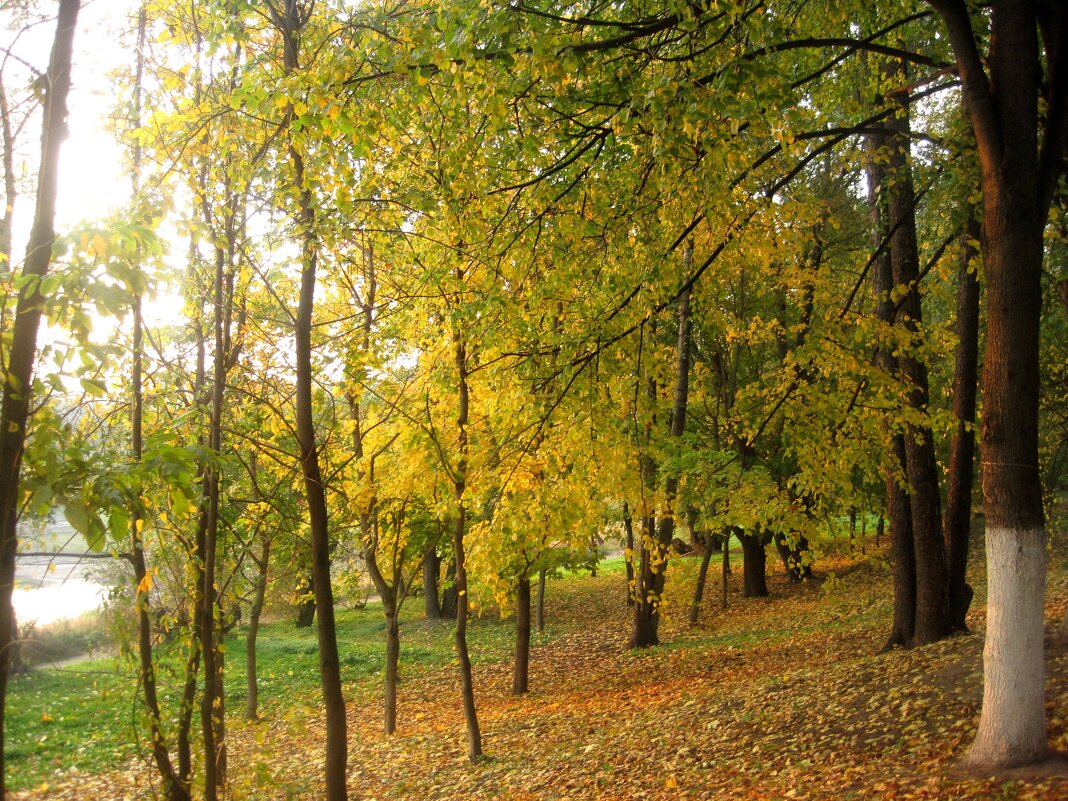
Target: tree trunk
x: 1019, y: 175
x: 431, y: 568
x: 22, y: 345
x: 252, y: 687
x: 628, y: 554
x: 392, y: 662
x: 754, y: 566
x: 725, y: 569
x: 305, y: 608
x: 903, y: 555
x: 173, y: 788
x: 474, y: 735
x: 539, y: 607
x: 212, y: 703
x: 796, y: 559
x: 932, y: 595
x: 702, y: 575
x: 958, y: 519
x: 522, y: 636
x: 902, y: 549
x: 289, y: 24
x: 656, y: 543
x: 449, y: 595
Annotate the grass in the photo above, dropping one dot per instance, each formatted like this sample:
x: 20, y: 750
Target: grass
x: 82, y: 716
x: 50, y: 711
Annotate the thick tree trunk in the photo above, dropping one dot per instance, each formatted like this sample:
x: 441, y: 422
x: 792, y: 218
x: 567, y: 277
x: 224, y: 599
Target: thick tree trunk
x: 1019, y: 175
x: 903, y: 554
x: 22, y: 345
x: 431, y: 567
x: 1012, y: 728
x: 958, y: 519
x: 522, y: 636
x: 932, y: 586
x: 754, y: 566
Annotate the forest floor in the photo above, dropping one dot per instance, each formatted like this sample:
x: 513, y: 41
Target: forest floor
x: 786, y: 697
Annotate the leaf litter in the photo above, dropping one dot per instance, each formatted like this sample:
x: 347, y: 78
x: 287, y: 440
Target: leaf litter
x: 780, y: 698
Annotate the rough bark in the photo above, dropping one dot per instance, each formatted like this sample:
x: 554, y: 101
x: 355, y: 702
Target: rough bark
x: 1020, y: 170
x: 921, y: 467
x: 522, y: 636
x: 754, y: 565
x: 902, y: 550
x: 960, y: 479
x: 21, y: 352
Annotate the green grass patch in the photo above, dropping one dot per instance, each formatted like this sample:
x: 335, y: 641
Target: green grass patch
x: 88, y: 715
x: 82, y: 716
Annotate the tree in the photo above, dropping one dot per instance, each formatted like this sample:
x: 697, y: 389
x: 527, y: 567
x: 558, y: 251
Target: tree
x: 1021, y: 160
x: 18, y: 361
x: 290, y: 18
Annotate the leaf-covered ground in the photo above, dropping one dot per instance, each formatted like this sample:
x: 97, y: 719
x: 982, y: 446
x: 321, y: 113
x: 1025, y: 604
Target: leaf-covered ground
x: 780, y: 698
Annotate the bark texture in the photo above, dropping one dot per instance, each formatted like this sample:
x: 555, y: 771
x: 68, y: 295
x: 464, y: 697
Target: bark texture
x: 960, y: 480
x: 1021, y: 160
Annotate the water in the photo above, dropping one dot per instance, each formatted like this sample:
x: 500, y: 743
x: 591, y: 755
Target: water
x: 48, y: 589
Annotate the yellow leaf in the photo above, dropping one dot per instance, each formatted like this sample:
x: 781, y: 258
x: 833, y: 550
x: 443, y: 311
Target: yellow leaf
x: 145, y: 584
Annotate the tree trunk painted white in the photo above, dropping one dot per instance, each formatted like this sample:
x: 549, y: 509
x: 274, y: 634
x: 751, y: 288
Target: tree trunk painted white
x: 1012, y: 729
